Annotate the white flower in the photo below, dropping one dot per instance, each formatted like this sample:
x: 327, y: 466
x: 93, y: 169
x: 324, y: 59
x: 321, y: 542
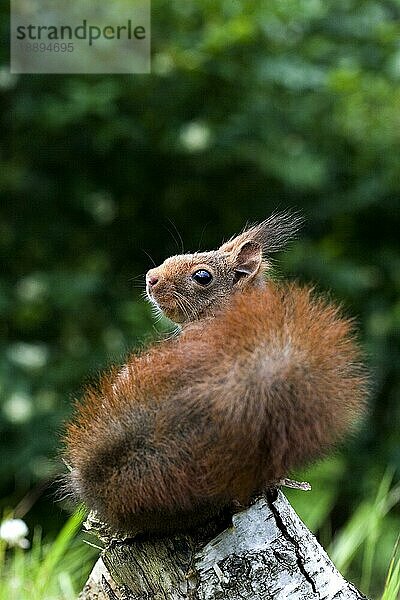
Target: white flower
x: 14, y: 532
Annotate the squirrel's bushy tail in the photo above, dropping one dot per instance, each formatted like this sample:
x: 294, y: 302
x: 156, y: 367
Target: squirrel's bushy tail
x: 232, y: 404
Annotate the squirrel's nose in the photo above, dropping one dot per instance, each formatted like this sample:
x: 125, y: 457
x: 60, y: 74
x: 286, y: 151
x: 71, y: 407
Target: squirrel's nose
x: 152, y: 280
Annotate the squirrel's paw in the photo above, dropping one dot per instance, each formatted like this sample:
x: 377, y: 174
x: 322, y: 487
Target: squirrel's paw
x: 296, y: 485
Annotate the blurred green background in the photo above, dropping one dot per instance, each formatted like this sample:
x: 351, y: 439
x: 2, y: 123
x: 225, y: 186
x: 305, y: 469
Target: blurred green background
x: 250, y: 106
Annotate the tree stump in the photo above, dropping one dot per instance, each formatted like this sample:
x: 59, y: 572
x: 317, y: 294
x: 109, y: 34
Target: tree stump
x: 266, y: 553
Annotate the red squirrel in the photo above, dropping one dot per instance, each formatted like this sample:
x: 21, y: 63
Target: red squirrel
x: 263, y: 378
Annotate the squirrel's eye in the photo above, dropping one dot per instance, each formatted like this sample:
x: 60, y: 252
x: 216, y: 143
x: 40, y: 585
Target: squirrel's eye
x: 202, y: 277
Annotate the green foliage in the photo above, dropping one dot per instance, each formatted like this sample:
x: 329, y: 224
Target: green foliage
x: 362, y: 547
x: 250, y: 106
x: 392, y: 584
x: 53, y: 570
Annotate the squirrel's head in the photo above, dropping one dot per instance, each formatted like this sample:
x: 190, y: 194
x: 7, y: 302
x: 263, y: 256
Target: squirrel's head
x: 188, y: 287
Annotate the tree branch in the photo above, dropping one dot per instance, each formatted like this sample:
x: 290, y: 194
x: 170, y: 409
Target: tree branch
x: 266, y: 553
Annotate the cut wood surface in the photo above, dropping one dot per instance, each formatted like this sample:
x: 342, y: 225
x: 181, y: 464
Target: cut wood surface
x: 266, y: 553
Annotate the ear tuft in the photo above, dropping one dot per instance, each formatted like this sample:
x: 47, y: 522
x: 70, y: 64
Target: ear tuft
x: 272, y: 234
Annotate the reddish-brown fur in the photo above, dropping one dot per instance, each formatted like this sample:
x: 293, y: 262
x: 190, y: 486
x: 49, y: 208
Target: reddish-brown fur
x: 215, y: 415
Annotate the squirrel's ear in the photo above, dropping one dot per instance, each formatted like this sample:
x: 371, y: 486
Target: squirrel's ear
x: 247, y: 261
